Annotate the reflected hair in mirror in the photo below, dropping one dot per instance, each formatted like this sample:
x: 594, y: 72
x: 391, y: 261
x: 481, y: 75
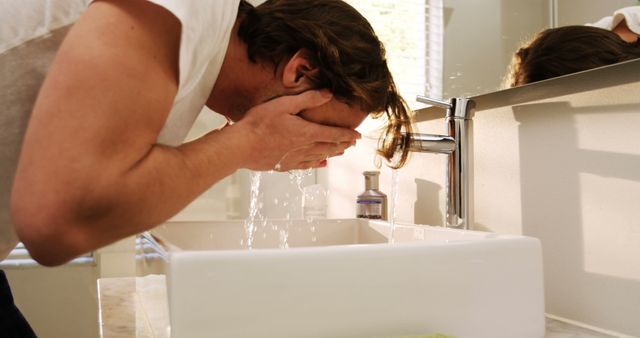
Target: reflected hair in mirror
x: 566, y: 50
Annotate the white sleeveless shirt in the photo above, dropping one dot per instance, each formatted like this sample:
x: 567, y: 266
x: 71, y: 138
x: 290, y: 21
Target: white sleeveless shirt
x: 206, y: 29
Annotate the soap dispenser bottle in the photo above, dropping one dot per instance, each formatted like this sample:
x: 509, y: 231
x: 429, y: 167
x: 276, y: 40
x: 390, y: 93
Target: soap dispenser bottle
x: 372, y: 203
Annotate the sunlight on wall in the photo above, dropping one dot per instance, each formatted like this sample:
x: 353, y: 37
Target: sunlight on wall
x: 610, y: 239
x: 609, y: 183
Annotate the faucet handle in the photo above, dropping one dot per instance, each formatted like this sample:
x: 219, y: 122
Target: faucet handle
x: 433, y: 102
x: 458, y: 107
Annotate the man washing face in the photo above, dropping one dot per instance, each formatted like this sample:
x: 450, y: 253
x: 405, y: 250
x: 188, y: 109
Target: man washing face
x: 103, y: 157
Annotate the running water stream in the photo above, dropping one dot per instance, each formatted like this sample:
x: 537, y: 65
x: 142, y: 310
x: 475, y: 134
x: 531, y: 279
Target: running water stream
x: 254, y: 208
x: 255, y: 205
x: 296, y: 177
x: 393, y: 199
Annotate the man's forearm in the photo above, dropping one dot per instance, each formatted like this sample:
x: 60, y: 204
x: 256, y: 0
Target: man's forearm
x: 114, y: 206
x: 169, y: 178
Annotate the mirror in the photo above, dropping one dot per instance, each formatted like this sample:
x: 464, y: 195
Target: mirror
x: 447, y: 48
x: 480, y: 37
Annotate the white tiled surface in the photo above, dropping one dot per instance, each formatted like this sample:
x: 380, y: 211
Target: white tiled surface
x: 137, y: 308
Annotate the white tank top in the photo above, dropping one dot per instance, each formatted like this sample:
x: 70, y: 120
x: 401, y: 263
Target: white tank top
x: 206, y: 28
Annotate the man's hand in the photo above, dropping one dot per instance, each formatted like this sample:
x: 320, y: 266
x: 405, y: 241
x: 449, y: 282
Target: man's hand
x: 277, y: 138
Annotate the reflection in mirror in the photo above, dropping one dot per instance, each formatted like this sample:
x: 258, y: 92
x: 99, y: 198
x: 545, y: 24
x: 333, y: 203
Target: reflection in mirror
x: 480, y: 38
x: 570, y: 49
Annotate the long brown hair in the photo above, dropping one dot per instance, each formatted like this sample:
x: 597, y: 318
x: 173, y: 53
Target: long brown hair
x: 350, y: 57
x: 565, y: 50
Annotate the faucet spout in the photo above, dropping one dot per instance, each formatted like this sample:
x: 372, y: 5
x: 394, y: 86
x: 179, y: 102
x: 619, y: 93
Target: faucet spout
x: 427, y: 143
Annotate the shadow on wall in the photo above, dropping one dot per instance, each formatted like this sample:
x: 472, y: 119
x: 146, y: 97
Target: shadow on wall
x: 426, y: 209
x: 580, y: 203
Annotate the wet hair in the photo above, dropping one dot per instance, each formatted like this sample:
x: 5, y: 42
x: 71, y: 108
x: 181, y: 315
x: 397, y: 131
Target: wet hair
x: 565, y: 50
x: 350, y: 57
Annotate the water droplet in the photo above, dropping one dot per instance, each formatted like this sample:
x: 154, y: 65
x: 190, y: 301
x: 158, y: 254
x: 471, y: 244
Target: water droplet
x: 297, y: 176
x: 284, y: 236
x: 377, y: 161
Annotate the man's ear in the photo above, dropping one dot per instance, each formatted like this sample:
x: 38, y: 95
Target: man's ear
x: 299, y: 73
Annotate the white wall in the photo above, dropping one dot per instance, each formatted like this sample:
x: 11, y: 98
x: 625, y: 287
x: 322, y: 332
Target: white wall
x: 567, y: 171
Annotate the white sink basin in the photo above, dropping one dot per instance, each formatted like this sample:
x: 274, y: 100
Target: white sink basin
x: 340, y: 278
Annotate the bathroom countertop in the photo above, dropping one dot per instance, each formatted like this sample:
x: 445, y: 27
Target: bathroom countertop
x: 136, y: 307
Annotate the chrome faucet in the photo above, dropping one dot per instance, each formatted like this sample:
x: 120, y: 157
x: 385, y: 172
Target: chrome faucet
x: 458, y: 146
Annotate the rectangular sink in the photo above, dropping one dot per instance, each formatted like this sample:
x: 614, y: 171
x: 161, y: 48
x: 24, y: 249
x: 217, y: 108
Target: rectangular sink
x: 341, y: 278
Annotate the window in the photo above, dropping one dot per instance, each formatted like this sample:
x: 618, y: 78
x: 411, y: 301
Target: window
x: 412, y: 32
